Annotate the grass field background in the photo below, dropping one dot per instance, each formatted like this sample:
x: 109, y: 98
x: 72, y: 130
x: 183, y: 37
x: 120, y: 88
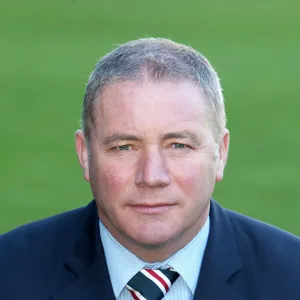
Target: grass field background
x: 48, y: 49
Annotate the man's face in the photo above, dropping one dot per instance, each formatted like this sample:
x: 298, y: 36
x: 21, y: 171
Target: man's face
x: 153, y: 162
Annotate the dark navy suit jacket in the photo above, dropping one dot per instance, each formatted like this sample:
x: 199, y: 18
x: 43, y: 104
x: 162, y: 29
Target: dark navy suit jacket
x: 62, y: 258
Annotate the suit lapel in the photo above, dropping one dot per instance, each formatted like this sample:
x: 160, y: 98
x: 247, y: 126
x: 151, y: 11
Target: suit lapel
x: 213, y: 286
x: 86, y: 260
x: 221, y: 260
x: 94, y: 285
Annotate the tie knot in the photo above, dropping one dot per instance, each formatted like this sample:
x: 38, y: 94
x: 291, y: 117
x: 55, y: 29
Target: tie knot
x: 149, y: 284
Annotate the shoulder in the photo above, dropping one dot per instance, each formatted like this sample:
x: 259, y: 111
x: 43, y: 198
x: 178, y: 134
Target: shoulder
x: 32, y: 257
x: 33, y: 254
x: 53, y: 225
x: 266, y: 247
x: 262, y: 233
x: 38, y: 240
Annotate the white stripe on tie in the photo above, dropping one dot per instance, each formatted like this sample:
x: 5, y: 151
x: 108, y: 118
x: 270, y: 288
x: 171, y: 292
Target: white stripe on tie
x: 164, y: 277
x: 154, y: 280
x: 136, y: 293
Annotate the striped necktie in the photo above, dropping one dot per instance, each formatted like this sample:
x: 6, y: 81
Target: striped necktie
x: 150, y: 284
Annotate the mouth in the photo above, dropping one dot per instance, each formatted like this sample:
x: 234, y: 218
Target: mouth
x: 151, y: 209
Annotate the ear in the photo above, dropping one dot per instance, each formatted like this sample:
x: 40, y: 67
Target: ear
x: 82, y: 153
x: 223, y: 155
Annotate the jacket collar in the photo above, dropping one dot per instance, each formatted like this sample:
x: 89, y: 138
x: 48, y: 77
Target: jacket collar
x: 86, y: 259
x: 221, y: 259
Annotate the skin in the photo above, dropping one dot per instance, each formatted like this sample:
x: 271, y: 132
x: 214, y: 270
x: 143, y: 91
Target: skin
x: 152, y: 164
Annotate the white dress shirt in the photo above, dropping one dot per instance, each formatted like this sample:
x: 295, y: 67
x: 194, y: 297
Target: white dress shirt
x: 123, y: 265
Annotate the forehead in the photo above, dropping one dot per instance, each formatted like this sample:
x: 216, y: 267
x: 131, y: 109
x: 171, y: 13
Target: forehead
x: 149, y: 108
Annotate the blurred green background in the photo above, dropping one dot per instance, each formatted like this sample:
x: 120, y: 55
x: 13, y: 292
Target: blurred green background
x: 48, y: 49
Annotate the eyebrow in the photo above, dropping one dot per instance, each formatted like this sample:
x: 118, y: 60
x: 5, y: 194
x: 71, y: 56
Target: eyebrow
x: 182, y: 135
x: 117, y: 137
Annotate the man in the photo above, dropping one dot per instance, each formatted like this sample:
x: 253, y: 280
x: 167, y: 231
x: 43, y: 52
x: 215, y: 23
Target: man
x: 153, y: 144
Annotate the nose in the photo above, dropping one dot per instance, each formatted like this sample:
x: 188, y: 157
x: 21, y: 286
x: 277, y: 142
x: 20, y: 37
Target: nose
x: 152, y: 171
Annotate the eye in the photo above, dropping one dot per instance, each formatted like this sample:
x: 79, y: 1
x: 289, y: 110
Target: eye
x: 123, y: 148
x: 179, y: 146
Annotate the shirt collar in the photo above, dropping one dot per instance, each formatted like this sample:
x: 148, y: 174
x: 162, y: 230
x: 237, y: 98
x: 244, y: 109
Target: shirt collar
x: 123, y: 264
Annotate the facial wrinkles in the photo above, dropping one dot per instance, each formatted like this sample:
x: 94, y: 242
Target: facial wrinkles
x: 115, y: 104
x: 112, y: 92
x: 115, y: 92
x: 150, y: 112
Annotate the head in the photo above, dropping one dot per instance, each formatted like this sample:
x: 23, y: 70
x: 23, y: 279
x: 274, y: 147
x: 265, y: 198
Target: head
x: 153, y: 143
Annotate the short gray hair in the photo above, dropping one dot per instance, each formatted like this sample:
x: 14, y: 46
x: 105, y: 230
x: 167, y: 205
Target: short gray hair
x: 155, y: 59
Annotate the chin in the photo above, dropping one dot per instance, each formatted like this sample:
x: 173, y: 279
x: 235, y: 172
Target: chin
x: 154, y: 236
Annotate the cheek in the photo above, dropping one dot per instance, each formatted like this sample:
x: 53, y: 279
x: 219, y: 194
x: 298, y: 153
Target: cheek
x: 190, y: 182
x: 196, y: 181
x: 111, y: 181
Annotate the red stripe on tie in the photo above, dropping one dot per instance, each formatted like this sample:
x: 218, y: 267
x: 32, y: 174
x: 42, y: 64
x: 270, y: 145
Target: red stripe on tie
x: 158, y: 278
x: 134, y: 295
